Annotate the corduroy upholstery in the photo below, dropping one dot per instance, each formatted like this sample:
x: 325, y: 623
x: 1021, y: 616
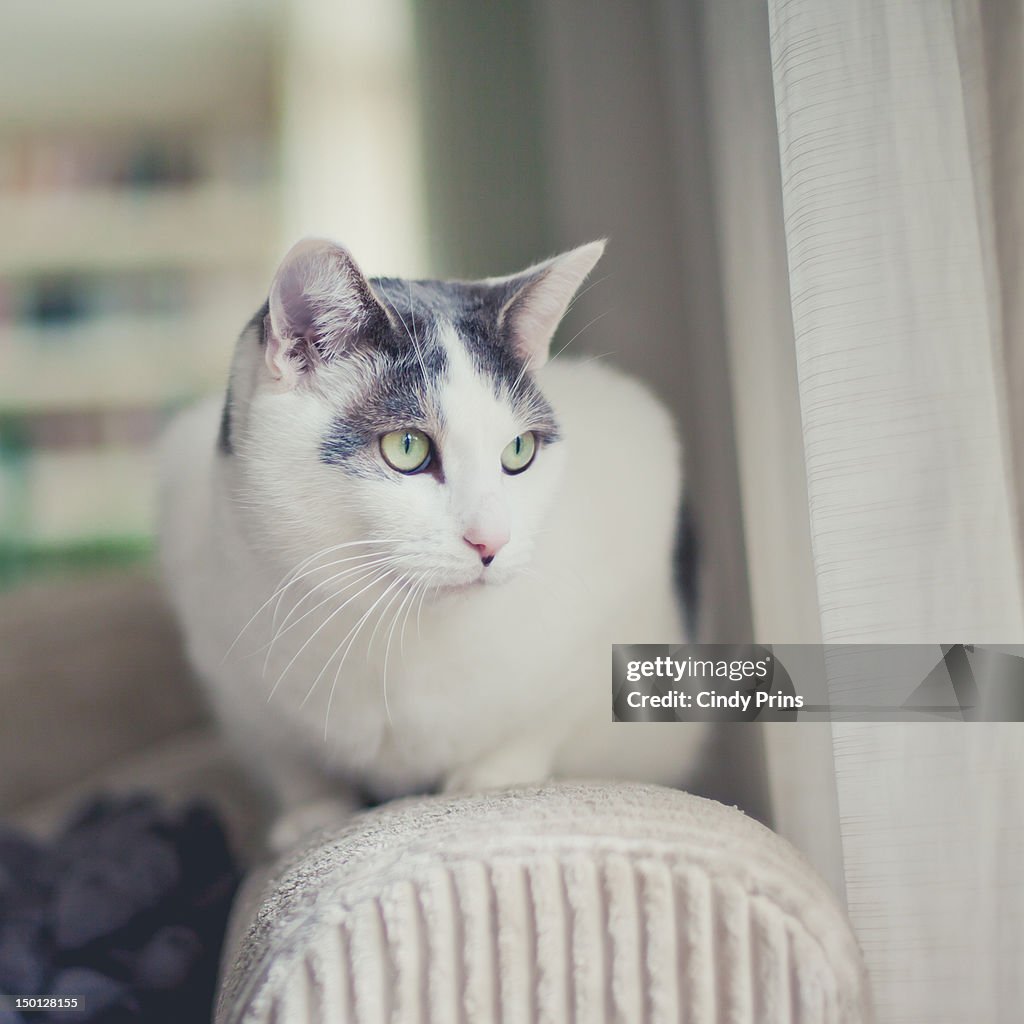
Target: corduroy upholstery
x: 582, y: 902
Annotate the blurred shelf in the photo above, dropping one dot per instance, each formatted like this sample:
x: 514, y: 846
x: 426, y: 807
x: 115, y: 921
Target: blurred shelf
x: 114, y: 362
x: 71, y: 496
x: 140, y: 209
x: 19, y: 561
x: 210, y: 226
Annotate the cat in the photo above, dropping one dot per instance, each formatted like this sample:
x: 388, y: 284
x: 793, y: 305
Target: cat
x: 402, y: 546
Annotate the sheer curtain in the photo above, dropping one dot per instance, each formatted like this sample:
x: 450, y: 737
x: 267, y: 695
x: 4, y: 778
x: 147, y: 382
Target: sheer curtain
x: 898, y: 153
x: 815, y: 210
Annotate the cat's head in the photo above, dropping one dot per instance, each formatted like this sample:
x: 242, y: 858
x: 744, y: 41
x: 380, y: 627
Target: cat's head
x: 400, y: 418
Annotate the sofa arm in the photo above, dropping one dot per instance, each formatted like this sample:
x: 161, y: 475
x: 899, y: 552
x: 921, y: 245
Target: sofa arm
x: 570, y: 902
x: 91, y: 672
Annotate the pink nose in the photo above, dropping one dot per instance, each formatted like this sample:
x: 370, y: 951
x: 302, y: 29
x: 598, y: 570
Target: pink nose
x: 487, y: 542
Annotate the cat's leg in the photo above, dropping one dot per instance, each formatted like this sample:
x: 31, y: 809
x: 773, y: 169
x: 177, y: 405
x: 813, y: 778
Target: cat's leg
x: 523, y: 761
x: 300, y: 822
x: 305, y: 800
x: 302, y: 796
x: 524, y: 758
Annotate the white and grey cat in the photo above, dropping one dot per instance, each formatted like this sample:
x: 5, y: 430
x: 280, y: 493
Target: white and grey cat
x: 402, y: 548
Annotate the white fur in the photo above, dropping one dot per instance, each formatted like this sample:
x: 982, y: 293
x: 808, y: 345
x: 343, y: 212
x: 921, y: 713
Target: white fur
x: 502, y: 675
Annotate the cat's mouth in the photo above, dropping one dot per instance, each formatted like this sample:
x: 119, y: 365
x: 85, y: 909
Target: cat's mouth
x: 486, y: 577
x: 463, y: 588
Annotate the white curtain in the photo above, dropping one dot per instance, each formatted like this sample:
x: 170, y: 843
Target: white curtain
x: 887, y: 210
x: 839, y: 332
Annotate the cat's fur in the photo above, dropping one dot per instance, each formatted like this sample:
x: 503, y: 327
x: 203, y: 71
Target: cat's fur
x: 462, y: 675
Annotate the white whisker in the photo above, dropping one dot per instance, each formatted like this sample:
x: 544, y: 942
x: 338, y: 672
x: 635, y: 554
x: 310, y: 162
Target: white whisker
x: 415, y: 336
x: 409, y: 334
x: 418, y: 588
x: 578, y: 333
x: 345, y: 604
x: 527, y: 363
x: 364, y: 561
x: 328, y: 551
x: 423, y: 594
x: 380, y: 619
x: 583, y: 291
x: 387, y: 649
x: 283, y: 585
x: 341, y: 664
x: 373, y: 568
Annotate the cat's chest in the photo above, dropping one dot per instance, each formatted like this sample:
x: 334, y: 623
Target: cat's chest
x: 411, y: 709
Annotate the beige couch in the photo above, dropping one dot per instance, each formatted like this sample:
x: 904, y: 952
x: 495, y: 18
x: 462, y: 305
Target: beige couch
x: 95, y: 693
x: 573, y: 902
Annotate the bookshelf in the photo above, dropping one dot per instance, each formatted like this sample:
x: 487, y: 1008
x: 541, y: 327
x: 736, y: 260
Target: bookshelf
x: 137, y: 236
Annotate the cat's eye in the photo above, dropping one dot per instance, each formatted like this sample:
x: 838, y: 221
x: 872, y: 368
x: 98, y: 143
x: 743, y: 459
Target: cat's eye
x: 519, y: 453
x: 408, y: 451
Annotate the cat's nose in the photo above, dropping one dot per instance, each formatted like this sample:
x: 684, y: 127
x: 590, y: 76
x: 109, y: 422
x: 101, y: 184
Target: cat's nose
x: 487, y: 542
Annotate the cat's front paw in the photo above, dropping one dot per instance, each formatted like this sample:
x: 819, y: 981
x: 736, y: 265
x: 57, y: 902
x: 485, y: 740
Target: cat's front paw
x: 300, y: 823
x: 499, y: 771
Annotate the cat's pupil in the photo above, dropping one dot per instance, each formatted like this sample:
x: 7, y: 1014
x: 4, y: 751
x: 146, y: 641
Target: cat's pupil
x: 408, y: 443
x: 519, y: 444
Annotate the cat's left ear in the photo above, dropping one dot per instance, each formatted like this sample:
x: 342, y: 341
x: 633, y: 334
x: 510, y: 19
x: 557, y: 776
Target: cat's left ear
x: 320, y: 306
x: 538, y: 298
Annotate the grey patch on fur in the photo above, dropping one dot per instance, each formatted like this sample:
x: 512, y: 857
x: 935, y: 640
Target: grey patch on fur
x: 473, y: 310
x: 404, y: 364
x: 258, y: 323
x: 396, y: 396
x: 687, y: 563
x: 400, y: 375
x: 224, y: 445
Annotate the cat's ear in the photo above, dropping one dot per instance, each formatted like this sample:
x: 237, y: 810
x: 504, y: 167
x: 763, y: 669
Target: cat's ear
x: 320, y: 305
x: 538, y: 298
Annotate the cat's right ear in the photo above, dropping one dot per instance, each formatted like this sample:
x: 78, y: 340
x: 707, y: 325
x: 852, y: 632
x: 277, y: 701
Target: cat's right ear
x: 320, y: 305
x: 537, y: 299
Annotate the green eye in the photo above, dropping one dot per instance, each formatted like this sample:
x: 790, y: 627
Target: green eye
x: 519, y: 453
x: 408, y: 451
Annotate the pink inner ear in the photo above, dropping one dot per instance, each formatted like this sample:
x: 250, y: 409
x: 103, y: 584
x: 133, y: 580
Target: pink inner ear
x: 291, y: 306
x: 538, y: 306
x: 319, y: 303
